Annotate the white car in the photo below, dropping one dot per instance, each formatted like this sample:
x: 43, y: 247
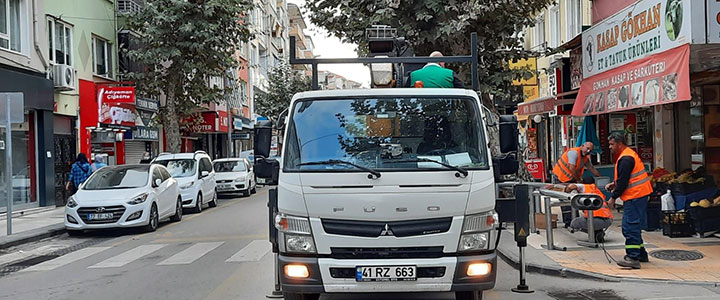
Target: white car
x: 234, y: 175
x: 195, y: 176
x: 124, y: 196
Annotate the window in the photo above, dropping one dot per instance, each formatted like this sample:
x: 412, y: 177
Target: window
x: 157, y: 175
x: 60, y: 41
x: 165, y: 174
x: 243, y: 92
x: 179, y: 167
x: 102, y: 57
x: 540, y: 30
x: 11, y: 29
x: 573, y: 11
x: 554, y: 27
x: 205, y: 165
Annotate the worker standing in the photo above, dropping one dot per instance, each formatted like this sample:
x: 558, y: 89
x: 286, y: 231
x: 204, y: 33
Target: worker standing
x: 632, y: 186
x: 435, y: 75
x: 570, y: 168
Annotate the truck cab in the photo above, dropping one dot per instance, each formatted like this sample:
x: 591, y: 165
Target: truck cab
x: 385, y: 190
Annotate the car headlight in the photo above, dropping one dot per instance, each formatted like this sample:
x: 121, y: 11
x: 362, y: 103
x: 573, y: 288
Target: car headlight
x: 240, y: 179
x: 299, y: 243
x: 476, y: 231
x: 71, y: 202
x: 138, y: 199
x: 187, y: 185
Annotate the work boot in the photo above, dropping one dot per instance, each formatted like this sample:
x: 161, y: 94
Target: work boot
x: 642, y: 259
x: 628, y: 262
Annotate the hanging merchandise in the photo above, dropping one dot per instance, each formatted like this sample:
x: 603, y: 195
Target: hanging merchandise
x: 588, y: 134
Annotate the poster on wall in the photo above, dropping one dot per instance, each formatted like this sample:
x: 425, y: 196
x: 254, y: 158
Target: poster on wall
x: 532, y: 143
x: 625, y: 124
x: 576, y: 70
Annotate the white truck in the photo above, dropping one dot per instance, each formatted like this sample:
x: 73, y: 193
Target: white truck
x: 383, y: 190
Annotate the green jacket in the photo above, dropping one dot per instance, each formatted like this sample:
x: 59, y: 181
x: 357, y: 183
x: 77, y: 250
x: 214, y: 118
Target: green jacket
x: 433, y: 76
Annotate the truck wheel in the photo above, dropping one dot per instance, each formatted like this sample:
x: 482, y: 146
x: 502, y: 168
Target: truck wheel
x: 474, y: 295
x: 294, y: 296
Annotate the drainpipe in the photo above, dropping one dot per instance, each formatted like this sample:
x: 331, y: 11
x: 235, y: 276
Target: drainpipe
x: 35, y: 35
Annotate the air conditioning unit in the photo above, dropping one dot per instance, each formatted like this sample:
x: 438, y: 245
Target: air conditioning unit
x: 64, y: 77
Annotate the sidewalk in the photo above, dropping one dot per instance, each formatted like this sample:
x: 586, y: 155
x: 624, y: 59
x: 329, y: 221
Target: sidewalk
x: 579, y: 261
x: 31, y: 225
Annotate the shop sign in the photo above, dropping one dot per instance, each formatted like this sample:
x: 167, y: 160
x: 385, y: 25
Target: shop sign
x: 210, y: 122
x: 536, y: 167
x: 146, y: 133
x: 529, y: 64
x: 657, y: 79
x: 147, y: 104
x: 241, y: 136
x: 576, y: 69
x: 713, y: 21
x: 537, y: 106
x: 117, y: 94
x: 646, y: 154
x: 530, y: 92
x: 645, y: 28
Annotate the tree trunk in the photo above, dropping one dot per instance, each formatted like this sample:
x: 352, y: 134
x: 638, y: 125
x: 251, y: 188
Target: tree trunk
x: 172, y: 122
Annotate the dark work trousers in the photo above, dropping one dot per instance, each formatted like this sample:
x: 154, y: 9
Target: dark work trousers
x: 634, y: 220
x: 567, y: 215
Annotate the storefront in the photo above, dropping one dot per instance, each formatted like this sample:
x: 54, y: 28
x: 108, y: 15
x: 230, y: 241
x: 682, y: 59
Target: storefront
x: 107, y: 111
x: 242, y: 134
x: 145, y: 137
x: 207, y: 132
x: 33, y: 174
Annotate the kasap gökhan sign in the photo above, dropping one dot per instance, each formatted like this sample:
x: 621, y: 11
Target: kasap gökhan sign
x: 638, y: 57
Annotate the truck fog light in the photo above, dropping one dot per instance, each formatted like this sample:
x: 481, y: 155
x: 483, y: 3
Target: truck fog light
x: 297, y: 271
x: 479, y: 269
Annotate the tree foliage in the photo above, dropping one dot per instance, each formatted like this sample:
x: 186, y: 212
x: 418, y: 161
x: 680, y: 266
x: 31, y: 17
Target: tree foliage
x: 284, y: 82
x: 185, y: 43
x: 445, y: 26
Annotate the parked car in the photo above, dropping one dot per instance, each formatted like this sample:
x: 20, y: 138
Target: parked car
x: 124, y: 196
x: 195, y: 176
x: 234, y: 175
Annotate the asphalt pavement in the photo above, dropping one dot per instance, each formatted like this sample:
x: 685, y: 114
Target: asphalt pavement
x: 223, y: 253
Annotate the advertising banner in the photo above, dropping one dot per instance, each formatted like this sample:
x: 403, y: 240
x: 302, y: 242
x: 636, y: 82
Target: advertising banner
x: 536, y: 167
x: 657, y: 79
x: 642, y: 29
x: 117, y: 94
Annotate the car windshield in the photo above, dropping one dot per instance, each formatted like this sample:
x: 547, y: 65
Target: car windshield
x: 386, y: 134
x: 229, y: 166
x: 179, y: 167
x: 122, y: 177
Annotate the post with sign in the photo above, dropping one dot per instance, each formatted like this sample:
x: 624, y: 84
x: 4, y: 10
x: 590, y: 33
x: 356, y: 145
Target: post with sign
x: 11, y: 112
x: 522, y: 230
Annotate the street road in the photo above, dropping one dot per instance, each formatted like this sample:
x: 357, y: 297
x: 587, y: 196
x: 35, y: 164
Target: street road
x: 223, y: 253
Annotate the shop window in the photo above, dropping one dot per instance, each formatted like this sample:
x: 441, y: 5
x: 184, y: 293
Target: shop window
x: 540, y: 31
x: 12, y: 17
x: 102, y: 57
x: 60, y: 41
x: 24, y: 179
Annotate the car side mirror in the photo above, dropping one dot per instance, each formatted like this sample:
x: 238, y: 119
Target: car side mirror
x: 157, y: 182
x: 204, y: 174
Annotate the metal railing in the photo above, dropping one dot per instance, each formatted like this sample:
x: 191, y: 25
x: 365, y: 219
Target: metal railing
x: 129, y: 6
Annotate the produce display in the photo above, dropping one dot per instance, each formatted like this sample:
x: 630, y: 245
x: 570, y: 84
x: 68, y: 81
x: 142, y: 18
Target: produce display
x: 689, y: 177
x: 705, y: 203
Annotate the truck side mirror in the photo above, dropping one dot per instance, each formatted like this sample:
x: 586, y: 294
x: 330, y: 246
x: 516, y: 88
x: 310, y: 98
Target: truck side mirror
x: 263, y: 135
x: 267, y: 171
x: 508, y: 134
x: 280, y: 123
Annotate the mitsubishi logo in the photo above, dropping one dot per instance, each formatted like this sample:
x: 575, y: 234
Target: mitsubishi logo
x: 387, y: 231
x: 100, y: 209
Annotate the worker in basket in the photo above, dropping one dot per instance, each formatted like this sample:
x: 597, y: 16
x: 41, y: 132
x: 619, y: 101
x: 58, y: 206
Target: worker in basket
x: 602, y: 218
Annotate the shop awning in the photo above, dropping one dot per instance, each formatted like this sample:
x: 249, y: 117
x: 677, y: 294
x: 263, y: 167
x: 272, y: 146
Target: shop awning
x: 544, y: 104
x: 657, y: 79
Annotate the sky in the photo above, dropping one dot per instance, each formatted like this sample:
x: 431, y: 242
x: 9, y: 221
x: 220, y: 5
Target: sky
x: 332, y: 47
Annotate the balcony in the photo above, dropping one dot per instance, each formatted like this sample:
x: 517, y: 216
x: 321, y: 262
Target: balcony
x: 129, y: 6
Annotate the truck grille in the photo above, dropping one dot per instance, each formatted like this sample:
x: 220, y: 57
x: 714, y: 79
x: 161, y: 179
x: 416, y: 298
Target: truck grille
x: 382, y: 253
x: 117, y: 211
x: 396, y: 228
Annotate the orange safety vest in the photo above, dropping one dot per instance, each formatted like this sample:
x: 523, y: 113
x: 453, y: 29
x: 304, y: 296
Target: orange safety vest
x: 604, y: 211
x: 639, y: 184
x: 562, y: 167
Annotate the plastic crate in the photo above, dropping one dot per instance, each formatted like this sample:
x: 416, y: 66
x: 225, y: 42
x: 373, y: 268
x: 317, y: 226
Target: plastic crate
x: 677, y: 224
x: 705, y: 219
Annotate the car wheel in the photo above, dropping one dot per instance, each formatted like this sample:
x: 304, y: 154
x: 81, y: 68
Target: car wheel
x: 246, y: 192
x: 296, y: 296
x: 153, y: 220
x: 75, y: 232
x: 474, y: 295
x: 213, y: 203
x: 178, y: 211
x: 198, y: 204
x: 254, y: 187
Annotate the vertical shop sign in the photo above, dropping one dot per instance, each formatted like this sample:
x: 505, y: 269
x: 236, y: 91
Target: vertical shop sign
x: 713, y: 21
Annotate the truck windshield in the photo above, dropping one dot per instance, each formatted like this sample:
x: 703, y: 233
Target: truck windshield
x: 386, y: 134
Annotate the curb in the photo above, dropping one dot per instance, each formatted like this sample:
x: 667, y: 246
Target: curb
x: 31, y: 235
x: 27, y: 212
x: 513, y: 261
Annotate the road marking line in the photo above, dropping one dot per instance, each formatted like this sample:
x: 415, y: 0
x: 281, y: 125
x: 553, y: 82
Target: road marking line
x: 190, y: 254
x: 252, y: 252
x: 66, y: 259
x: 211, y: 238
x: 128, y: 256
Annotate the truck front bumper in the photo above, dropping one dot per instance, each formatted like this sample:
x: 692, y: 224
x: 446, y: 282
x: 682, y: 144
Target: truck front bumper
x: 445, y: 274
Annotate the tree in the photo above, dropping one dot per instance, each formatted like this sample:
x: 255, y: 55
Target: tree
x: 284, y: 82
x: 185, y: 43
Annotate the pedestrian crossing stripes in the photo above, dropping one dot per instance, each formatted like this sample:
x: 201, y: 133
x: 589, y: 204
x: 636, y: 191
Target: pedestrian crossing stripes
x: 252, y: 252
x: 191, y: 254
x: 128, y: 256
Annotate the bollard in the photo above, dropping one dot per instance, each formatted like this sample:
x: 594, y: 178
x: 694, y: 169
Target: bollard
x: 522, y: 230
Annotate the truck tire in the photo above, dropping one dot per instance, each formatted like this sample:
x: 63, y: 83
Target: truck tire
x: 295, y: 296
x: 474, y: 295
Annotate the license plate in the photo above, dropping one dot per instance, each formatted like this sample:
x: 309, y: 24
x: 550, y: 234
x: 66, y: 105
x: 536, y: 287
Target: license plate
x: 225, y: 186
x: 103, y: 216
x: 390, y: 273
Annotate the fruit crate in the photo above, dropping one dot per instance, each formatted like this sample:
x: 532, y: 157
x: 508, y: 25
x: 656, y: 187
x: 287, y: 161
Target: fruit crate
x: 677, y: 224
x: 705, y: 219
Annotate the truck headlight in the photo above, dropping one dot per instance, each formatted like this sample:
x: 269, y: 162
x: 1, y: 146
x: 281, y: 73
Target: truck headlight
x: 297, y: 234
x: 476, y: 231
x: 299, y: 243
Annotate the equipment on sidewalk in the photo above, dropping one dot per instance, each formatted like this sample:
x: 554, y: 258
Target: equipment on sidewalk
x: 589, y: 203
x: 522, y: 230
